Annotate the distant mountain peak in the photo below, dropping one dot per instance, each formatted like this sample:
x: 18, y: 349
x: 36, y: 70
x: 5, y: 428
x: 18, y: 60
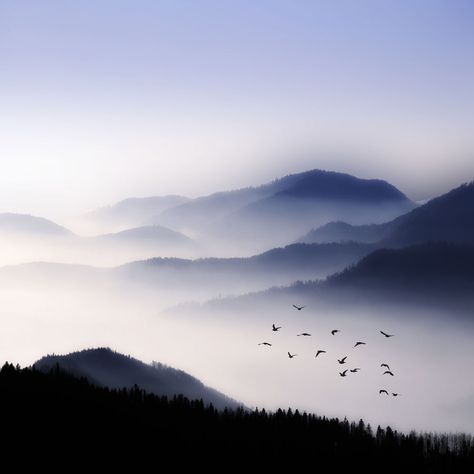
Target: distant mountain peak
x: 324, y: 184
x: 280, y: 210
x: 29, y: 224
x: 149, y: 232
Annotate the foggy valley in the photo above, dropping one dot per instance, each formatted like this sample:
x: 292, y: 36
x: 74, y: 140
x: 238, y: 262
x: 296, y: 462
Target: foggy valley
x: 237, y: 234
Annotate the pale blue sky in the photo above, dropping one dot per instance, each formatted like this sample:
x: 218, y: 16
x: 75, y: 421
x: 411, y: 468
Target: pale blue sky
x: 102, y: 99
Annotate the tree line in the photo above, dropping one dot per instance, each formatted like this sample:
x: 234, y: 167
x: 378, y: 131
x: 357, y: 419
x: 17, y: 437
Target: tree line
x: 55, y: 415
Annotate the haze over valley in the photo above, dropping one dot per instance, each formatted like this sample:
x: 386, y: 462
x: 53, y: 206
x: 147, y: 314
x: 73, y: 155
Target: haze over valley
x: 408, y: 270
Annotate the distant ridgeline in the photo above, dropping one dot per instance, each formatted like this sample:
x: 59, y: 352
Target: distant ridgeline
x: 56, y: 419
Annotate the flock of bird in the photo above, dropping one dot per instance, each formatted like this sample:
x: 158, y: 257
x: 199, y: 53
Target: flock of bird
x: 342, y: 361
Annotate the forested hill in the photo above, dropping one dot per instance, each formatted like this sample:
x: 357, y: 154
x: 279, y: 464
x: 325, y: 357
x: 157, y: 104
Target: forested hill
x: 108, y: 368
x: 54, y: 416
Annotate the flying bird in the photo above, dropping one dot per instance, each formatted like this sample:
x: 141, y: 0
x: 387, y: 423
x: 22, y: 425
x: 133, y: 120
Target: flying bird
x: 387, y: 335
x: 343, y: 374
x: 304, y: 334
x: 355, y: 370
x: 383, y: 391
x: 334, y: 331
x: 395, y: 394
x: 275, y: 328
x: 319, y: 352
x: 291, y: 355
x: 388, y: 372
x: 385, y: 365
x: 359, y: 344
x: 343, y: 360
x: 264, y: 344
x: 299, y: 308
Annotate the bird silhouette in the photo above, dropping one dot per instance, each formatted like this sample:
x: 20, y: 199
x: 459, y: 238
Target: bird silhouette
x: 275, y: 328
x: 395, y: 394
x: 343, y: 360
x: 385, y: 365
x: 387, y: 335
x: 334, y: 331
x: 355, y: 370
x: 343, y: 374
x: 359, y: 344
x: 383, y: 391
x: 291, y: 355
x: 319, y: 352
x: 299, y: 308
x: 304, y: 334
x: 388, y: 372
x: 264, y: 344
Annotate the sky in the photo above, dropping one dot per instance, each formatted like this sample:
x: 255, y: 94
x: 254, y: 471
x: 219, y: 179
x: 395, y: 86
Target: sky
x: 104, y: 100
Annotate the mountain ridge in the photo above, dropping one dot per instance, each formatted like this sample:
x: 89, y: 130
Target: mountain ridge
x: 449, y: 217
x: 108, y: 368
x: 291, y: 201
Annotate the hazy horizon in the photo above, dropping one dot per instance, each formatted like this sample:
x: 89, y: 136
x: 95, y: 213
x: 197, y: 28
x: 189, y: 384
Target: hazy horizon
x: 85, y: 204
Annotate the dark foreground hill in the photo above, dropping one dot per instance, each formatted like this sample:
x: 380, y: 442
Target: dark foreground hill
x: 56, y: 420
x: 107, y: 368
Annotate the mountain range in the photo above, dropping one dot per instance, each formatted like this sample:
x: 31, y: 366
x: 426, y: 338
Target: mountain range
x: 35, y: 238
x: 279, y: 211
x: 449, y: 217
x: 199, y: 278
x: 131, y: 212
x: 276, y: 266
x: 254, y: 219
x: 235, y: 223
x: 430, y: 275
x: 326, y: 250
